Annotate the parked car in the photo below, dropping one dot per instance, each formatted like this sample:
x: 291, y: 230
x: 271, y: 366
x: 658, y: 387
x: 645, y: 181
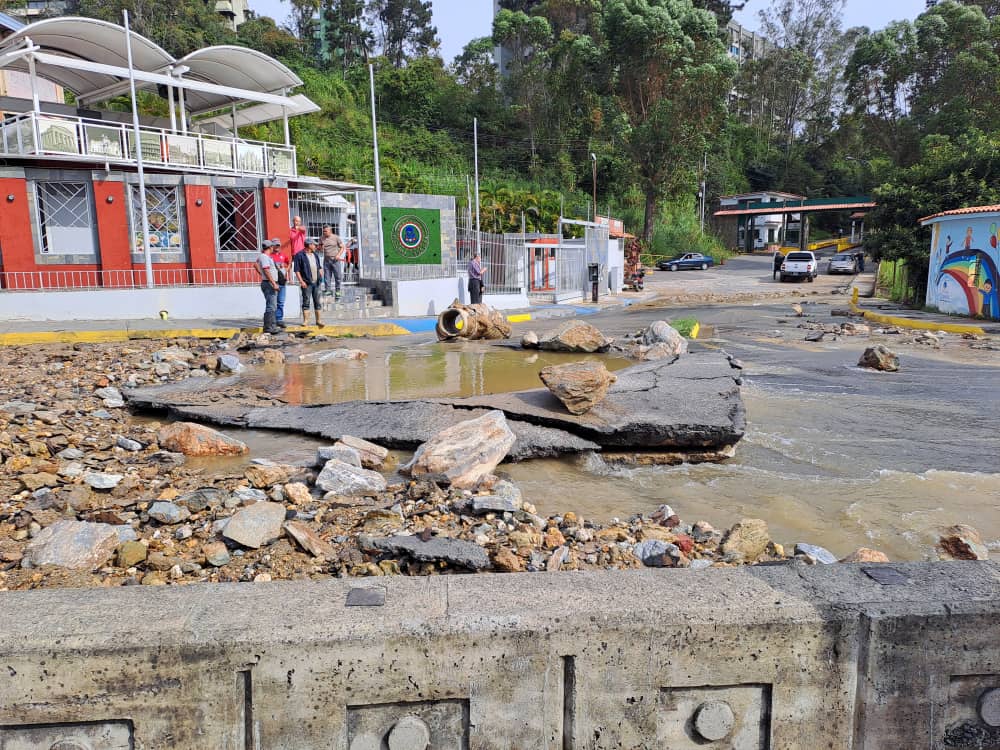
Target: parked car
x: 688, y: 260
x: 843, y: 263
x: 799, y: 265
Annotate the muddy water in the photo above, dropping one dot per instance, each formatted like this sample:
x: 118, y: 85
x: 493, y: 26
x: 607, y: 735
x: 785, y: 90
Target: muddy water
x: 428, y: 371
x: 817, y: 482
x: 831, y: 457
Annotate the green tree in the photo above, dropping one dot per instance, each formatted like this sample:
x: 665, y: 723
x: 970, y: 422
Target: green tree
x: 402, y: 28
x: 957, y: 70
x: 670, y: 76
x: 723, y: 9
x: 527, y: 39
x: 880, y: 78
x: 347, y: 40
x: 179, y: 27
x: 263, y: 34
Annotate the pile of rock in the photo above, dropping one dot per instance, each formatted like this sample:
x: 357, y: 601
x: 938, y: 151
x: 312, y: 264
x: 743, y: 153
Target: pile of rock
x: 659, y: 341
x: 570, y: 336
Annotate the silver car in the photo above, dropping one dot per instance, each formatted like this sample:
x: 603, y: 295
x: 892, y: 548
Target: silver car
x: 843, y: 263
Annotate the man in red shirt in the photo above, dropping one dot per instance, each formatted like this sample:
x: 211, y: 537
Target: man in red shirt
x: 296, y: 236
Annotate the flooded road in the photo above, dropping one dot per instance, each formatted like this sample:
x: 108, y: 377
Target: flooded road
x: 834, y: 455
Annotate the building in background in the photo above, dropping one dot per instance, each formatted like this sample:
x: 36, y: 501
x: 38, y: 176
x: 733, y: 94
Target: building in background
x: 235, y: 12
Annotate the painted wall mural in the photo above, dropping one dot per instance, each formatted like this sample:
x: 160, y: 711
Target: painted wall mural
x: 963, y: 277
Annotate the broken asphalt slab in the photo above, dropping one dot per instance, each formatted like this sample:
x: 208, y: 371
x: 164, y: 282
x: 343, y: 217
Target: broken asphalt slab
x: 689, y: 403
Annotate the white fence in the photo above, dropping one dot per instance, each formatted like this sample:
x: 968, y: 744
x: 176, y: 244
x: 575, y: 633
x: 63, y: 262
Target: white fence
x: 34, y: 134
x: 503, y: 258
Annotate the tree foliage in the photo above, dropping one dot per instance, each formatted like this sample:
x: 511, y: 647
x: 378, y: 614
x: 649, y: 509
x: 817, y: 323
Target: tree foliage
x: 669, y: 74
x: 402, y: 28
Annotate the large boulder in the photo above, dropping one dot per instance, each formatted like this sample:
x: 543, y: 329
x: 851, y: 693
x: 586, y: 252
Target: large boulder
x: 575, y: 336
x: 79, y: 545
x: 747, y: 540
x: 197, y: 440
x: 879, y: 358
x: 372, y: 456
x: 340, y: 478
x: 465, y: 453
x: 961, y: 542
x: 256, y: 525
x: 579, y: 385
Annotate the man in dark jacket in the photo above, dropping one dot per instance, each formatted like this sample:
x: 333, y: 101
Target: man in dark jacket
x: 308, y: 268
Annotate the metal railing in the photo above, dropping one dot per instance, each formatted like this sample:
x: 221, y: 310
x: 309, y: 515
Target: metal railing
x: 503, y: 258
x: 40, y: 134
x: 235, y: 274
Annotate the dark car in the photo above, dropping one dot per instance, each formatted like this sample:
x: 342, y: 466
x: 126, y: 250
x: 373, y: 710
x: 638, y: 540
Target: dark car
x: 688, y: 260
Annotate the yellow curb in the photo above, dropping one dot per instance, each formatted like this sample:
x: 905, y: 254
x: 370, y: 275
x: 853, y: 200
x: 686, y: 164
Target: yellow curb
x: 918, y: 325
x: 520, y: 318
x: 115, y: 336
x: 695, y: 329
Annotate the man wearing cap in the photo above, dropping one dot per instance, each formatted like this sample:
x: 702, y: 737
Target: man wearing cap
x: 308, y: 268
x: 334, y: 254
x: 268, y: 284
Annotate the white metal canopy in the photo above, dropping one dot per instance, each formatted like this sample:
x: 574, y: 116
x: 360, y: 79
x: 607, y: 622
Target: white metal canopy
x: 88, y: 57
x: 258, y: 113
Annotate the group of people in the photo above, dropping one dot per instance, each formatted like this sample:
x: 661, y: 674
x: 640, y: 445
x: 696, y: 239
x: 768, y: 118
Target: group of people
x: 311, y: 263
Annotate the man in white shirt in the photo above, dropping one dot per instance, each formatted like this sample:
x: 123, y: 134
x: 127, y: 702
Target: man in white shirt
x: 268, y: 271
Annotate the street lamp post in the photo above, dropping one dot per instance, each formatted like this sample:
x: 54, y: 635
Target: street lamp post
x: 593, y: 160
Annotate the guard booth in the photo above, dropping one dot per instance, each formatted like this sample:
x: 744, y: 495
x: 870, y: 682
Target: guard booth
x: 784, y: 210
x: 542, y: 266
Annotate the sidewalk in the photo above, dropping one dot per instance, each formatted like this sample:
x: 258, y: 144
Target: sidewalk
x: 23, y: 333
x: 891, y: 313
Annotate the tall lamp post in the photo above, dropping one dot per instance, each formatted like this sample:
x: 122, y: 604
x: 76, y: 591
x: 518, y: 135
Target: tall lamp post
x: 593, y: 161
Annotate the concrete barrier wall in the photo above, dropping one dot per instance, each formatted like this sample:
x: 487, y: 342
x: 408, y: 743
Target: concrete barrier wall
x: 130, y: 304
x: 764, y: 658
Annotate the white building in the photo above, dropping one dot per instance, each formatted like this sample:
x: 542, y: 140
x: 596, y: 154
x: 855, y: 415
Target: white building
x: 757, y: 232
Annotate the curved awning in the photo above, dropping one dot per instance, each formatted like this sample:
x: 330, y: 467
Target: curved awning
x: 89, y: 57
x: 236, y: 67
x: 86, y: 40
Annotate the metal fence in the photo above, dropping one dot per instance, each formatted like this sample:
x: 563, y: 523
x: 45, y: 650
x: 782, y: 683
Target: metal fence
x: 503, y: 258
x: 320, y: 208
x: 233, y: 274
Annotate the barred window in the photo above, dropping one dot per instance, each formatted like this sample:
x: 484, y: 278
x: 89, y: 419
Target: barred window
x: 164, y: 230
x: 65, y: 218
x: 237, y: 220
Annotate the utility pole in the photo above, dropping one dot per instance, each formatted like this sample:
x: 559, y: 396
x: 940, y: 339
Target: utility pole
x: 593, y: 161
x: 704, y: 196
x: 378, y: 172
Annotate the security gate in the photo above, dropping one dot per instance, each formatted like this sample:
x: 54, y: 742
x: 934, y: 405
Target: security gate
x: 320, y: 208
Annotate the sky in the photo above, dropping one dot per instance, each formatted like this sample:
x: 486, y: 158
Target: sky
x: 459, y: 21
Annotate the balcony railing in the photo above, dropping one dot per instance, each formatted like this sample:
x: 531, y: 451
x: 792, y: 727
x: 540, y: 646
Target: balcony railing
x: 33, y: 134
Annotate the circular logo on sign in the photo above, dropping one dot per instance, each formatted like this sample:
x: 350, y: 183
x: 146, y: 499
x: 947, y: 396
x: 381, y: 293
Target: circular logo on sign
x: 411, y: 237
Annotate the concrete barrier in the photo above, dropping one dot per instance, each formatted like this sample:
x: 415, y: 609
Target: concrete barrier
x: 765, y: 658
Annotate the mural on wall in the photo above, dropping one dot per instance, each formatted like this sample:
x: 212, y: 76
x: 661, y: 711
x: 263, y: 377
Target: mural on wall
x: 412, y: 236
x: 963, y: 278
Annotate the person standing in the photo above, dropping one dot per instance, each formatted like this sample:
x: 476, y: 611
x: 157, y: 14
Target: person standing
x: 268, y: 284
x: 309, y: 274
x: 475, y: 270
x: 296, y: 237
x: 283, y: 265
x: 333, y: 261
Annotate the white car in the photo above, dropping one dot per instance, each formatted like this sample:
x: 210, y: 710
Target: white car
x: 843, y: 263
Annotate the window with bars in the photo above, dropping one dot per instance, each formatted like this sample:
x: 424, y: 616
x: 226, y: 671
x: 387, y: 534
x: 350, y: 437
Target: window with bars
x: 237, y: 220
x: 165, y: 231
x: 65, y: 218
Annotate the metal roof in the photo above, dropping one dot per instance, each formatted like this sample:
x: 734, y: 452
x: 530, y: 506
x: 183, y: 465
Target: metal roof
x: 89, y: 57
x: 86, y: 40
x: 961, y: 212
x: 784, y: 208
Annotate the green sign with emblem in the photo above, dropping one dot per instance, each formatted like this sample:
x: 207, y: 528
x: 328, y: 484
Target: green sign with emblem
x: 412, y: 236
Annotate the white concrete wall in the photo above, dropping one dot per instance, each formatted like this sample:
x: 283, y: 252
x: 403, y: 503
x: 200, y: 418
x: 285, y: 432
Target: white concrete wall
x: 136, y: 304
x: 425, y: 297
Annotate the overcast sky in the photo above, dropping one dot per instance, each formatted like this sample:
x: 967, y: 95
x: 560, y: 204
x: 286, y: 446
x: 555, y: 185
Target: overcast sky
x: 459, y: 21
